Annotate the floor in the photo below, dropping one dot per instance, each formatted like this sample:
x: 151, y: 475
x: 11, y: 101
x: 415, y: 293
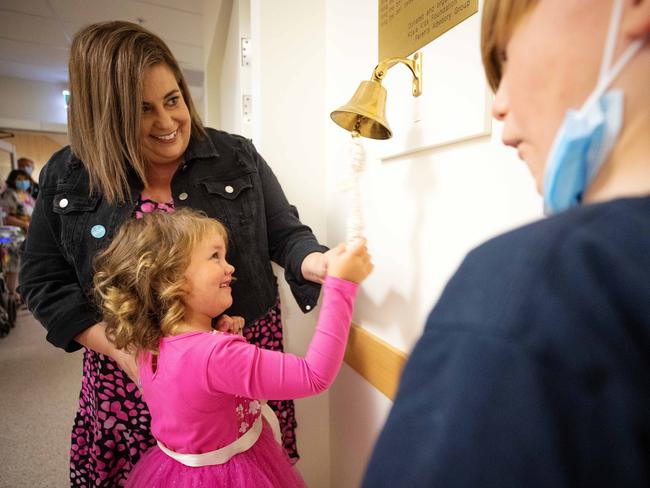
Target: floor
x: 39, y: 388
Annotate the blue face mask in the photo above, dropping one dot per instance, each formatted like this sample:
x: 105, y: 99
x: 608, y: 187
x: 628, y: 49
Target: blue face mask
x: 587, y: 136
x: 23, y: 185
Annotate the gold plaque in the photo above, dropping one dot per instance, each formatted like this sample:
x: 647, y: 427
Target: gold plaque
x: 407, y: 25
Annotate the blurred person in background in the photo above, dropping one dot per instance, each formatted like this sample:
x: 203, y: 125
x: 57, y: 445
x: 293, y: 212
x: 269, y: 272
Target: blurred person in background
x: 27, y: 165
x: 17, y: 205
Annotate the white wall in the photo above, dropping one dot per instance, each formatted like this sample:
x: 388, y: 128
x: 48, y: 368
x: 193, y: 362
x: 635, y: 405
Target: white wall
x: 211, y: 10
x: 235, y: 78
x: 32, y: 105
x: 289, y: 119
x: 216, y: 19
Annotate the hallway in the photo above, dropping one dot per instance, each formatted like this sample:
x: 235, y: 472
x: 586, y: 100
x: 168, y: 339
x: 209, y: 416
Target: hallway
x: 39, y: 387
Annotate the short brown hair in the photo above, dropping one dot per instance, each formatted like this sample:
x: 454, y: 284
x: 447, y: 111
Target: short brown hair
x: 108, y: 61
x: 140, y: 280
x: 500, y: 17
x: 24, y: 161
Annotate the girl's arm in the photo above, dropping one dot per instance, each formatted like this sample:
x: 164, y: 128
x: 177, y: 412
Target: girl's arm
x: 239, y: 368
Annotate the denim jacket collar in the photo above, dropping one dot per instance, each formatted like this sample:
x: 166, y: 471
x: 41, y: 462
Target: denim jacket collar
x: 200, y: 148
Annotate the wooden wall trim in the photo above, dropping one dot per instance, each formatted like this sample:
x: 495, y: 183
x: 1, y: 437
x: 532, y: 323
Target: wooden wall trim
x: 376, y: 361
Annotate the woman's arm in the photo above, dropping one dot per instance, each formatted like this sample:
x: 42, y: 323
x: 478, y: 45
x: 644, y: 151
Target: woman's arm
x: 9, y: 204
x: 48, y: 280
x: 17, y: 221
x: 314, y: 266
x: 291, y: 243
x: 94, y: 337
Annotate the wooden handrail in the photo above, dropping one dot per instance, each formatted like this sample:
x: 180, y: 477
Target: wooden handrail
x: 375, y: 360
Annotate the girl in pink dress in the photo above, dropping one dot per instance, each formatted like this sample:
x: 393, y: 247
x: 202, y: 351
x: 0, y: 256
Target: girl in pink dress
x: 160, y: 283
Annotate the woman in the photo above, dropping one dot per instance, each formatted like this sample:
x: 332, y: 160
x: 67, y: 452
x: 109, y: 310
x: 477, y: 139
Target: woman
x: 27, y: 165
x: 17, y: 205
x: 137, y: 144
x: 16, y: 201
x: 533, y: 367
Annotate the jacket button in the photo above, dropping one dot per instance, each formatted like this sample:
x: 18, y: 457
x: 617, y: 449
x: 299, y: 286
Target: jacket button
x: 63, y: 202
x: 307, y: 307
x: 183, y: 196
x: 229, y: 189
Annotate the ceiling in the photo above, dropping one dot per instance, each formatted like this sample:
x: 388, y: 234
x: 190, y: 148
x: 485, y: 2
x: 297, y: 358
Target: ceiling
x: 35, y: 35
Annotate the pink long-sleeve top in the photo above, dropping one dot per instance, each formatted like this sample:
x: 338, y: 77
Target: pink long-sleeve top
x: 207, y: 387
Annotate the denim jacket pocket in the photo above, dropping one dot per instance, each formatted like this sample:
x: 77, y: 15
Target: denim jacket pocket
x: 73, y: 210
x: 234, y: 199
x: 65, y: 203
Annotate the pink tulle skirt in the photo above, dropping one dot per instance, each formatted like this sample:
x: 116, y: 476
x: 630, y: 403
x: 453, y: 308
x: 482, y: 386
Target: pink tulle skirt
x: 265, y: 465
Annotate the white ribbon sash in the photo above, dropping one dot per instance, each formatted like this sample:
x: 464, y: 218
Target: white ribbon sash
x: 224, y: 454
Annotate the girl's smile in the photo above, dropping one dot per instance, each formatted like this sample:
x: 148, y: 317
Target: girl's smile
x: 209, y: 277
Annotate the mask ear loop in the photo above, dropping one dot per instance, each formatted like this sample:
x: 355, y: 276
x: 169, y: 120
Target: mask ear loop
x: 613, y: 74
x: 607, y: 75
x: 610, y: 42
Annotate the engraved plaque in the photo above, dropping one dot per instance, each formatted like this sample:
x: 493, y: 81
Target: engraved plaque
x: 407, y: 25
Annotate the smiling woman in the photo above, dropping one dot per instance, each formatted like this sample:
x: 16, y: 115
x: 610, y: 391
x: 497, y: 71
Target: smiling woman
x: 126, y: 127
x: 137, y: 146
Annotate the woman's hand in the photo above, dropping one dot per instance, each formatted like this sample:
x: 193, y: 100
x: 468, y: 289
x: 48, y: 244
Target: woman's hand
x: 127, y: 363
x: 234, y: 325
x: 314, y: 266
x: 350, y: 263
x: 94, y: 337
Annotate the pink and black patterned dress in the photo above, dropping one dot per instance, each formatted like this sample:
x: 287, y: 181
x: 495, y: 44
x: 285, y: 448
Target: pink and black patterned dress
x: 112, y: 426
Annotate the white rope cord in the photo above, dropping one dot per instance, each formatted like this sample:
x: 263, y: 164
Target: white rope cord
x: 356, y: 224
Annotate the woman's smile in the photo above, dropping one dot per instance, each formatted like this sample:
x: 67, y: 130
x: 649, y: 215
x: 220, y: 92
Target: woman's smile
x: 169, y: 138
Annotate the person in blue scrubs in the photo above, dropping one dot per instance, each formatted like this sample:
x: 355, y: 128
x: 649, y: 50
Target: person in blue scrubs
x: 533, y: 369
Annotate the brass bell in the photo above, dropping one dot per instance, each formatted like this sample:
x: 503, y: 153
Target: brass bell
x: 365, y: 113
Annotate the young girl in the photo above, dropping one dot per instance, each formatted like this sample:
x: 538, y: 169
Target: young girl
x: 160, y: 283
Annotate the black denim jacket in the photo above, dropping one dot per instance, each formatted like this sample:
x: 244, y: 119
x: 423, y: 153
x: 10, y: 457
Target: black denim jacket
x: 223, y: 175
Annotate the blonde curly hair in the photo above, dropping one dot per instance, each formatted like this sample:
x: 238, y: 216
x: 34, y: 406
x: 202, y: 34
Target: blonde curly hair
x: 139, y: 280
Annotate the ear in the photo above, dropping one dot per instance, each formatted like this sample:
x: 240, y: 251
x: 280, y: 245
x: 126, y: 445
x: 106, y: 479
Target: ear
x: 636, y: 19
